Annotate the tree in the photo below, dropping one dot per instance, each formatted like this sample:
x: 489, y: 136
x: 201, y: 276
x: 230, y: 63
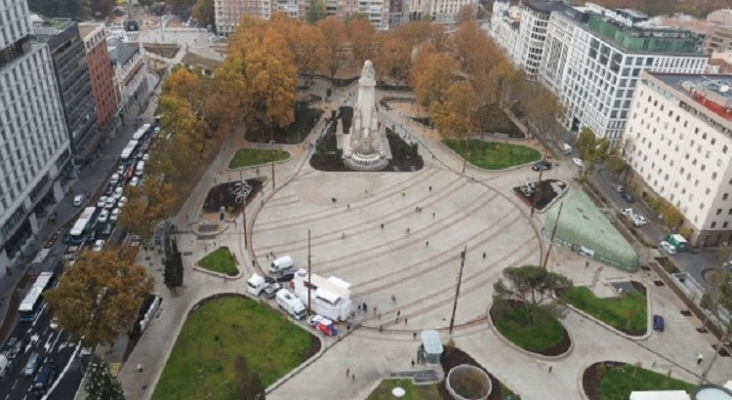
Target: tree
x: 203, y: 12
x: 532, y: 287
x: 362, y: 36
x: 718, y: 300
x: 616, y: 164
x: 431, y: 75
x: 317, y: 11
x: 147, y: 205
x: 311, y: 51
x: 591, y: 149
x: 541, y: 107
x: 100, y: 384
x: 173, y: 273
x: 334, y: 31
x: 455, y: 116
x: 394, y: 57
x: 671, y: 216
x: 100, y: 297
x: 467, y: 13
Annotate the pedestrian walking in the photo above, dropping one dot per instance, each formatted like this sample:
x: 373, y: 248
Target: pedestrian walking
x: 381, y: 328
x: 359, y: 308
x: 253, y: 264
x: 416, y: 209
x: 484, y: 255
x: 405, y: 320
x: 393, y: 299
x: 413, y: 363
x: 399, y: 313
x: 348, y: 372
x: 414, y: 335
x: 353, y: 378
x: 550, y: 368
x: 365, y: 307
x: 427, y: 244
x: 139, y: 367
x: 430, y: 188
x: 343, y: 235
x: 699, y: 359
x: 433, y: 215
x: 382, y: 226
x: 348, y: 206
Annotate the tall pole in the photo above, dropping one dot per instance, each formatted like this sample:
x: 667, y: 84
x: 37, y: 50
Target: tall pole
x: 244, y: 209
x: 554, y: 232
x: 457, y: 288
x: 537, y: 193
x: 271, y: 152
x: 309, y: 286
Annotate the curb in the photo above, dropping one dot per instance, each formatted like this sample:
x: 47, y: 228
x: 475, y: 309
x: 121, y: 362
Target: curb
x: 288, y: 159
x: 530, y: 353
x: 219, y: 274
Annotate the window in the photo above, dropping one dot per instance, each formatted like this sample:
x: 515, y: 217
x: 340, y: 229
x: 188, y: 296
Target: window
x: 719, y: 211
x: 724, y: 196
x: 714, y: 225
x: 724, y: 225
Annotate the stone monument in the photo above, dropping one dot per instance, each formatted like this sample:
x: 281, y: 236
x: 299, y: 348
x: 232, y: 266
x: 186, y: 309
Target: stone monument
x: 365, y: 147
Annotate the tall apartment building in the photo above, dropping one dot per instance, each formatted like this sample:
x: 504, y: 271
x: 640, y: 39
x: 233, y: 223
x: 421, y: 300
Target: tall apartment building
x: 679, y: 144
x: 104, y: 91
x: 34, y: 144
x: 438, y: 10
x: 73, y: 78
x: 129, y: 71
x: 228, y: 12
x: 593, y: 59
x: 377, y: 12
x: 523, y: 38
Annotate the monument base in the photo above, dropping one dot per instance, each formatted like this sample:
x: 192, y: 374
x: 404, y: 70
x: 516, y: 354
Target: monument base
x: 360, y: 162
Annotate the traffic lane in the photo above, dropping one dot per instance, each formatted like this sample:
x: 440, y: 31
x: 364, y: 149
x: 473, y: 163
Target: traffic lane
x: 51, y: 345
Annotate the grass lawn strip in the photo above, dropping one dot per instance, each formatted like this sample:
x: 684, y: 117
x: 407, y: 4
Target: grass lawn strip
x: 493, y: 155
x: 618, y: 382
x: 627, y: 313
x: 221, y: 261
x: 219, y: 330
x: 413, y: 392
x: 545, y: 333
x: 250, y: 157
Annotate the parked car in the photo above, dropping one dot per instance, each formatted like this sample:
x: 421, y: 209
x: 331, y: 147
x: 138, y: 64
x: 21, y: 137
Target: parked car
x: 542, y: 165
x: 102, y: 202
x: 118, y: 192
x: 134, y: 181
x: 98, y: 245
x: 286, y: 277
x: 639, y: 220
x: 618, y: 187
x: 659, y: 324
x: 115, y: 215
x: 578, y: 162
x: 114, y: 179
x: 107, y: 229
x: 627, y: 197
x: 628, y: 212
x: 111, y: 202
x: 667, y: 247
x: 78, y: 200
x: 121, y: 170
x: 122, y: 201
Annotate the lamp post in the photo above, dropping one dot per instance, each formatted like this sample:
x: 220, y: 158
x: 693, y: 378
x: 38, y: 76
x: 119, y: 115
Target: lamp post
x: 242, y: 191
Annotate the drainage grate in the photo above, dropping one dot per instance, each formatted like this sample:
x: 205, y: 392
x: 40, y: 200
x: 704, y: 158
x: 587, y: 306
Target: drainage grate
x: 686, y: 313
x: 658, y: 283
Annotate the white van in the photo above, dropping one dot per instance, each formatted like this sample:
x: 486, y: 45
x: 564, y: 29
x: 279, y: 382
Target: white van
x: 4, y: 363
x: 281, y: 264
x: 140, y: 168
x: 567, y: 149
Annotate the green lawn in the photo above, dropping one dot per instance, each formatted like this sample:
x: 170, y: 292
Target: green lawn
x: 493, y: 155
x: 413, y: 392
x: 617, y: 383
x: 545, y: 333
x: 219, y: 260
x: 250, y: 157
x: 219, y: 330
x: 627, y: 313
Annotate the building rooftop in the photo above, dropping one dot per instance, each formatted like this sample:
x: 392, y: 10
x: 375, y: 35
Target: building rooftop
x: 123, y: 52
x: 52, y: 26
x: 86, y: 28
x: 713, y: 92
x: 545, y: 6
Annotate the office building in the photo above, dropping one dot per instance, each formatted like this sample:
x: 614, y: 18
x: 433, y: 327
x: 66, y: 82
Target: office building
x: 593, y: 59
x: 74, y: 80
x: 679, y: 145
x: 439, y: 10
x: 104, y: 91
x: 129, y: 72
x: 228, y: 12
x: 34, y: 143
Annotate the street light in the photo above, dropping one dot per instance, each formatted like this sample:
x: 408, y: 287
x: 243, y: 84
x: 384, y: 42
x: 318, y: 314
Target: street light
x: 242, y: 191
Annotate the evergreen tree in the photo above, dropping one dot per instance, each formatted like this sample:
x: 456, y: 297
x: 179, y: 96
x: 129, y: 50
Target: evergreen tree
x: 100, y: 384
x: 173, y: 273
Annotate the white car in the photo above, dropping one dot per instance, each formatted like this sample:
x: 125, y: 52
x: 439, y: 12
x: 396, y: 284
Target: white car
x: 578, y: 162
x: 118, y: 192
x: 121, y: 170
x: 78, y: 200
x: 134, y: 181
x: 98, y: 245
x: 639, y: 220
x: 103, y: 216
x: 628, y: 212
x: 667, y: 247
x: 146, y: 157
x: 115, y: 215
x: 111, y: 201
x: 114, y: 179
x: 102, y: 202
x: 122, y: 201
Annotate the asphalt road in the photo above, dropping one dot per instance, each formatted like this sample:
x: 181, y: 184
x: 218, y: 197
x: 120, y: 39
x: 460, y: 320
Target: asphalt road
x: 53, y: 347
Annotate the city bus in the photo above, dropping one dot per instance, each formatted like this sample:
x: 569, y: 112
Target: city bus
x: 33, y: 302
x: 83, y: 226
x: 142, y: 132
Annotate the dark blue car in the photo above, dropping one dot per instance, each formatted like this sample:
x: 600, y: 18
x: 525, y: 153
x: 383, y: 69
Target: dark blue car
x: 658, y: 323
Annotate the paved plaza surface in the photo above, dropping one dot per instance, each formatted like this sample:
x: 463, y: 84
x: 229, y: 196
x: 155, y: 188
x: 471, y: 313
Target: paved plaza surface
x: 476, y: 210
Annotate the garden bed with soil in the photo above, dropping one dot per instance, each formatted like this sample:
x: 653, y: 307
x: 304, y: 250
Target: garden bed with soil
x: 452, y: 357
x: 223, y: 196
x: 546, y: 192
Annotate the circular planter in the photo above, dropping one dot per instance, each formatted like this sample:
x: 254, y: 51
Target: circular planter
x: 476, y: 380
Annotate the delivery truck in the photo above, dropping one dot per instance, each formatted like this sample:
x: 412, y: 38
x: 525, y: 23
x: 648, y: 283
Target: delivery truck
x: 291, y: 304
x: 330, y: 297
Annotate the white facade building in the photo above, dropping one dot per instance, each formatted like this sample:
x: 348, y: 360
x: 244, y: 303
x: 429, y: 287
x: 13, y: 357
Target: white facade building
x: 228, y: 12
x: 34, y: 143
x: 504, y: 28
x: 129, y: 71
x: 594, y: 58
x: 679, y: 142
x: 439, y: 10
x: 377, y: 12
